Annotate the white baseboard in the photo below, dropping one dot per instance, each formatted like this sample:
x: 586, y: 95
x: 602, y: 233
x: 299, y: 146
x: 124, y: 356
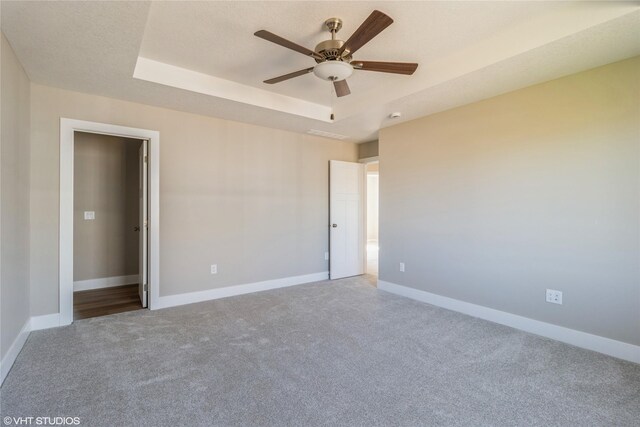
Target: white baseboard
x: 229, y: 291
x: 597, y: 343
x: 104, y: 282
x: 14, y: 350
x: 45, y: 322
x: 35, y: 323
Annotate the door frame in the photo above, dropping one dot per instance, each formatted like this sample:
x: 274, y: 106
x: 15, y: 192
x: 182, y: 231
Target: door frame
x: 68, y: 127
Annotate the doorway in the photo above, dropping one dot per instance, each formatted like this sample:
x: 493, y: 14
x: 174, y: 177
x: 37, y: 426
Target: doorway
x: 146, y: 280
x: 109, y: 230
x: 373, y: 180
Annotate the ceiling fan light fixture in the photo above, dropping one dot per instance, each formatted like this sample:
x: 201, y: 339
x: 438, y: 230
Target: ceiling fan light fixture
x: 333, y: 71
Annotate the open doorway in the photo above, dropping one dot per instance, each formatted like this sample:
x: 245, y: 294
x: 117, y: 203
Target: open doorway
x: 151, y: 141
x: 372, y: 173
x: 109, y: 224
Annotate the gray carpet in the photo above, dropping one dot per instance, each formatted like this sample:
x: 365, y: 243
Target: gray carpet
x: 329, y: 353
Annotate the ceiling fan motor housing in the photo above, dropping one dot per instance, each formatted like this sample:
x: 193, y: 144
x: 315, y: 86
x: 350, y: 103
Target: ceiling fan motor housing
x: 333, y: 66
x: 329, y: 50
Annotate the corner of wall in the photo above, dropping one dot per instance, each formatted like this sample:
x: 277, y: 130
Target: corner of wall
x: 15, y: 225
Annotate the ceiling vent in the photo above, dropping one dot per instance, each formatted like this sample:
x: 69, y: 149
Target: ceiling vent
x: 326, y: 134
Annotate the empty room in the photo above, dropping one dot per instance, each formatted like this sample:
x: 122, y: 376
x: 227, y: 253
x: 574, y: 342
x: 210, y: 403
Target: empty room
x: 288, y: 213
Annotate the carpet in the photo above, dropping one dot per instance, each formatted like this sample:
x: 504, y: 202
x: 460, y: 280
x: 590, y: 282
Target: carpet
x: 327, y: 353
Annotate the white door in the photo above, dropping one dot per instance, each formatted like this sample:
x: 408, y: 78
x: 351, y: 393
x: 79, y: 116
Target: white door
x: 346, y: 214
x: 142, y: 264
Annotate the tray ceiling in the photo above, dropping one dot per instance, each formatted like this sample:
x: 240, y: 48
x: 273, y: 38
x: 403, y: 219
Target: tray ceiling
x: 202, y: 57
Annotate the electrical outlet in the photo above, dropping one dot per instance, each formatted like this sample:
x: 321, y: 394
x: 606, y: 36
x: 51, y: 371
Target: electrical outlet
x: 326, y: 256
x: 214, y: 268
x: 554, y: 296
x: 402, y: 267
x: 89, y: 215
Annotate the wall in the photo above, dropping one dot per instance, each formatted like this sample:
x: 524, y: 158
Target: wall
x: 132, y: 205
x: 367, y: 149
x: 106, y: 181
x: 14, y: 198
x: 494, y: 202
x: 250, y: 199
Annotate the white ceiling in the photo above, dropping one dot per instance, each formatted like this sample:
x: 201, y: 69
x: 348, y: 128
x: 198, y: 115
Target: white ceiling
x: 467, y: 51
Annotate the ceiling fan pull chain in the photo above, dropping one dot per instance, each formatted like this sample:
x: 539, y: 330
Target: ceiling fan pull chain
x: 331, y: 89
x: 331, y: 103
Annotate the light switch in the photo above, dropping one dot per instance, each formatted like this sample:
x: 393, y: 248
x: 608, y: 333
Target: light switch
x: 89, y: 215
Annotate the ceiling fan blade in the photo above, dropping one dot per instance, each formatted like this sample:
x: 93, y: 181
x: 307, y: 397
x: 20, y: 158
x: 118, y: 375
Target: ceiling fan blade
x: 371, y: 27
x: 289, y: 76
x: 342, y: 88
x: 386, y: 67
x: 263, y: 34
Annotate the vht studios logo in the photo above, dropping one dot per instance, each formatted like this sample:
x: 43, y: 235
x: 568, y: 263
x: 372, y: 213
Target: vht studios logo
x: 41, y: 421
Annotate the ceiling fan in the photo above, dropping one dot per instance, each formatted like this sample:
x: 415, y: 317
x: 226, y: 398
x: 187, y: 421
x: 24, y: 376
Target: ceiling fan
x: 334, y: 57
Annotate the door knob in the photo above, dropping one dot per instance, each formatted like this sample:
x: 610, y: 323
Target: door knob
x: 334, y: 225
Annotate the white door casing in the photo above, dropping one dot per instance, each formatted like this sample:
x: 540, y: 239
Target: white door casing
x: 346, y: 219
x: 65, y: 273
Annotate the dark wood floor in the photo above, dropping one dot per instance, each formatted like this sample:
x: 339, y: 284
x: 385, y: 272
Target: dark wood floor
x: 100, y: 302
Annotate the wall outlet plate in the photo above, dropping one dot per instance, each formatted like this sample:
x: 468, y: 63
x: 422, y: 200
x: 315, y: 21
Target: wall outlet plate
x: 214, y: 268
x: 326, y: 256
x: 89, y: 215
x: 402, y: 267
x: 554, y: 297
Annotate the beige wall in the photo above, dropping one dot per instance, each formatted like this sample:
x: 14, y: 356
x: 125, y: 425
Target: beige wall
x: 106, y: 181
x: 14, y: 198
x: 494, y: 202
x: 368, y: 149
x: 251, y: 199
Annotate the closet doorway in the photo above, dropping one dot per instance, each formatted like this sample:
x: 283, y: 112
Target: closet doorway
x: 109, y: 215
x: 109, y: 225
